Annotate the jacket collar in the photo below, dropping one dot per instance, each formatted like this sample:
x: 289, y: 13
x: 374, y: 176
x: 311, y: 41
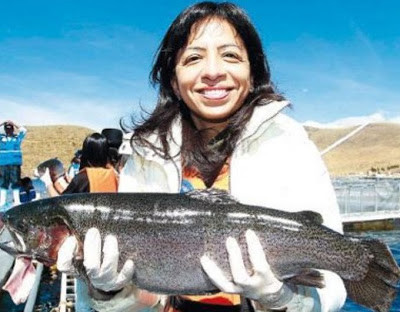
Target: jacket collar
x: 174, y: 141
x: 261, y: 118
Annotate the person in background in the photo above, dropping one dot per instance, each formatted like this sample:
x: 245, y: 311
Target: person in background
x: 114, y: 140
x: 27, y: 192
x: 219, y: 123
x: 95, y: 174
x: 10, y: 159
x: 74, y: 166
x: 55, y: 178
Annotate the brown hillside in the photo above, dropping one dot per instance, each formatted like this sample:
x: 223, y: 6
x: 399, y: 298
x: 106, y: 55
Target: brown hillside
x: 44, y: 142
x: 376, y: 146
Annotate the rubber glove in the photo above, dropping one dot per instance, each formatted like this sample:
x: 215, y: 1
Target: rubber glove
x: 105, y: 275
x: 262, y: 285
x: 46, y: 178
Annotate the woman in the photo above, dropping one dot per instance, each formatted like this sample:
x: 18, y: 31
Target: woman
x: 95, y: 173
x: 218, y: 123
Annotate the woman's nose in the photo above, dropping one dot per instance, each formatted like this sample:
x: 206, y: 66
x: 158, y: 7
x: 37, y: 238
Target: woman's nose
x: 213, y: 69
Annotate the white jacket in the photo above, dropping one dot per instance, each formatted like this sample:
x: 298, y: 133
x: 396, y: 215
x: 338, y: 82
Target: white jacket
x: 275, y: 165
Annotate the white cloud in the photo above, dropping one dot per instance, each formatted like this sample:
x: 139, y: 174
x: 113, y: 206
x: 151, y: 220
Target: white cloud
x: 353, y: 121
x: 95, y: 114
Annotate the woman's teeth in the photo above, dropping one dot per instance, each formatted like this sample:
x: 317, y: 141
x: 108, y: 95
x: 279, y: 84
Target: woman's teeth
x: 215, y: 94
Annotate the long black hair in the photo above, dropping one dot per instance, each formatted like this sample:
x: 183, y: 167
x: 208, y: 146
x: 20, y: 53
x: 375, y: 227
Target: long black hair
x: 195, y: 152
x: 94, y: 151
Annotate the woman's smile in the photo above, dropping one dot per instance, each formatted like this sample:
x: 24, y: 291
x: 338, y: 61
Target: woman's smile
x: 215, y: 93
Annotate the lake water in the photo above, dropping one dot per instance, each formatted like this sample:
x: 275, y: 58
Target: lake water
x: 48, y: 296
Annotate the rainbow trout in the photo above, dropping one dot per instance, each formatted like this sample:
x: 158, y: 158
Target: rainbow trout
x: 166, y: 235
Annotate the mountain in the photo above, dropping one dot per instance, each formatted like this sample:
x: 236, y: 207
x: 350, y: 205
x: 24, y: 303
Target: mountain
x: 44, y: 142
x: 376, y: 148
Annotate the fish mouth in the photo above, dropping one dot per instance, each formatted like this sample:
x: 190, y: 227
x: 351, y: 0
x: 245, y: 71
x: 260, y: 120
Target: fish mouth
x: 17, y: 248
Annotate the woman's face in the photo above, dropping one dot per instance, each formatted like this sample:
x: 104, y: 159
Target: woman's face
x: 213, y: 74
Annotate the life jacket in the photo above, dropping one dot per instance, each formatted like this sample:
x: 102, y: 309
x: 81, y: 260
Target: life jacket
x: 102, y: 179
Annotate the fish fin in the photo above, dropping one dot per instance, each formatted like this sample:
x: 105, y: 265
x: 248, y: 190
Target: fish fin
x: 308, y: 277
x: 379, y: 287
x: 213, y: 196
x: 311, y: 216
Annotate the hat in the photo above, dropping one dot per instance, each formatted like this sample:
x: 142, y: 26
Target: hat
x: 114, y: 136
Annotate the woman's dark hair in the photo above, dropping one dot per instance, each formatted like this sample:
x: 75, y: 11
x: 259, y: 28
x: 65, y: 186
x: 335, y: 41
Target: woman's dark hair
x: 94, y: 151
x: 169, y: 106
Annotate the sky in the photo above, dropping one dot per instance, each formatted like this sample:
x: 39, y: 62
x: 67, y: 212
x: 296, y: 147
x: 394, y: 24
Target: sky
x: 87, y: 63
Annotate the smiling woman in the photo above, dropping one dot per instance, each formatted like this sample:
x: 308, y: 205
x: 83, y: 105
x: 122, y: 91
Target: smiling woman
x: 218, y: 123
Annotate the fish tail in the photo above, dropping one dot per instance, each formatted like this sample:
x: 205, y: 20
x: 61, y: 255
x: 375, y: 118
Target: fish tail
x: 379, y: 287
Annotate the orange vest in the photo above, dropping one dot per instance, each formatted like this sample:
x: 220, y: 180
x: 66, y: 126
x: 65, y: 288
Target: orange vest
x: 102, y: 180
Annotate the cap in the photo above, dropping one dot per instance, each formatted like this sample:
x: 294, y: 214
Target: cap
x: 114, y: 136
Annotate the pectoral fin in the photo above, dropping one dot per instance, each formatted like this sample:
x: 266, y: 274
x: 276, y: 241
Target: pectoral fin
x: 308, y: 277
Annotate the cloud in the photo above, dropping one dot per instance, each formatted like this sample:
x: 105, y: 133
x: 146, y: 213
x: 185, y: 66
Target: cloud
x: 92, y: 113
x: 353, y: 121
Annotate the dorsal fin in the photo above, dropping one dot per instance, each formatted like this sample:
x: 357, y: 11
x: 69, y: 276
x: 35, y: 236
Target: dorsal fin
x: 213, y: 196
x: 311, y: 216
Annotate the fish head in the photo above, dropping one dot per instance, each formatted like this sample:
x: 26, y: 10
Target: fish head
x: 55, y: 166
x: 35, y: 234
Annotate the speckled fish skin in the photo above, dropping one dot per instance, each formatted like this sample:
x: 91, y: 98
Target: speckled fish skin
x: 166, y: 234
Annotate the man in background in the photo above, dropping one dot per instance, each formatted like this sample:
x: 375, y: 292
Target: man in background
x: 10, y: 159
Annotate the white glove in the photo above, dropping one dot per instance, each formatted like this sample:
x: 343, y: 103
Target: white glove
x: 46, y: 178
x: 103, y: 276
x: 262, y: 285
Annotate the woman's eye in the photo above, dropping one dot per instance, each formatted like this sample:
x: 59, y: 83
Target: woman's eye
x: 232, y: 56
x: 191, y: 59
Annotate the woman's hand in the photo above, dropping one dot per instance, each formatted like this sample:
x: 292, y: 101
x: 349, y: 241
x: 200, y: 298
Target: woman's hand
x: 262, y: 285
x: 103, y: 275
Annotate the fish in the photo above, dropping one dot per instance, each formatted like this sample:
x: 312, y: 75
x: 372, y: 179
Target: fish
x: 55, y: 166
x: 167, y: 234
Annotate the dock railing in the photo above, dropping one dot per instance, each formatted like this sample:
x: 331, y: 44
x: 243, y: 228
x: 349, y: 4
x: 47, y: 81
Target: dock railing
x: 363, y: 199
